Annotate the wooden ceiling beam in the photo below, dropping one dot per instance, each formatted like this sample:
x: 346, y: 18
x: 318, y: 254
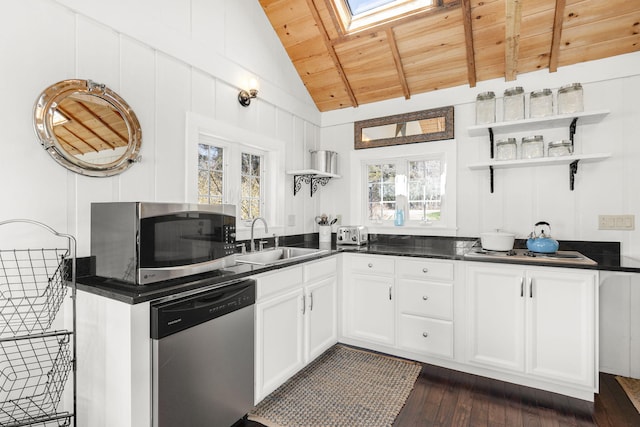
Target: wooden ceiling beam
x: 558, y: 21
x: 332, y: 52
x: 468, y: 38
x: 513, y: 16
x: 398, y: 61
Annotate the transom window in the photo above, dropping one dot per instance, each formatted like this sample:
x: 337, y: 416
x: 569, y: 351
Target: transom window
x: 358, y: 14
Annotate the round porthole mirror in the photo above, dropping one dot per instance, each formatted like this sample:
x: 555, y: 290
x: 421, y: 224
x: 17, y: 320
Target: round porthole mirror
x: 87, y: 128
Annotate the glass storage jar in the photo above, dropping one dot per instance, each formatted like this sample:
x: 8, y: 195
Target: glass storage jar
x: 532, y: 147
x: 560, y: 148
x: 485, y: 108
x: 513, y: 104
x: 541, y: 103
x: 570, y: 99
x: 506, y: 149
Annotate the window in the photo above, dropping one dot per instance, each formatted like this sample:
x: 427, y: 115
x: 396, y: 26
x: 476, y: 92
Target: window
x: 250, y: 187
x: 210, y: 174
x: 231, y: 165
x: 411, y: 186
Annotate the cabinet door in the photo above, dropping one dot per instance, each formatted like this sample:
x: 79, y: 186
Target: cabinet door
x: 495, y: 303
x: 370, y: 308
x: 561, y: 325
x: 321, y: 330
x: 279, y: 341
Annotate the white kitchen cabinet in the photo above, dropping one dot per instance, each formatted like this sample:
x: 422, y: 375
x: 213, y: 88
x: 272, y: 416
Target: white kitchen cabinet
x: 321, y: 310
x: 425, y: 306
x: 279, y: 329
x: 537, y: 321
x: 296, y: 312
x: 368, y: 285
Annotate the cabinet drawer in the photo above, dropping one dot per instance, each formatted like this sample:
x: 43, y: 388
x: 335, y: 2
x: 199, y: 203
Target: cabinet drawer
x: 278, y: 281
x: 425, y: 269
x: 379, y: 265
x: 319, y: 269
x: 430, y: 299
x: 425, y: 335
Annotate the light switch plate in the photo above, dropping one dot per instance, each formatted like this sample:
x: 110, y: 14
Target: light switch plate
x: 617, y: 222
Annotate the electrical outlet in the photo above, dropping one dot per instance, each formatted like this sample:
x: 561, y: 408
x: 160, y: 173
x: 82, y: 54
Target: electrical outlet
x: 291, y: 220
x: 338, y: 219
x: 617, y: 222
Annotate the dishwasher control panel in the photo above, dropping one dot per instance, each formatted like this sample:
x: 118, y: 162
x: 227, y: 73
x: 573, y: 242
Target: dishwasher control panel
x: 179, y: 314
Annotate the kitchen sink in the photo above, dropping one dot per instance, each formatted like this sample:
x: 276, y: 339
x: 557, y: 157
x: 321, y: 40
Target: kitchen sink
x: 278, y: 255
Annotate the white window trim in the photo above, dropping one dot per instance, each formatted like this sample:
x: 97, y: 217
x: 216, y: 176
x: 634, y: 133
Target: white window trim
x: 238, y: 139
x: 436, y: 149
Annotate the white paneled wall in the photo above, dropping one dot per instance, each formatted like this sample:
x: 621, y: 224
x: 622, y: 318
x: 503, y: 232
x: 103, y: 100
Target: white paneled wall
x: 524, y: 196
x: 165, y: 58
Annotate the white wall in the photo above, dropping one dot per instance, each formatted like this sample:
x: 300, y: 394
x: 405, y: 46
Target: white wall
x: 165, y: 58
x: 524, y: 196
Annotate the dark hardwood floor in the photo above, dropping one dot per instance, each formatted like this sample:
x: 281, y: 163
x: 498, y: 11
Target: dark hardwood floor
x: 443, y: 398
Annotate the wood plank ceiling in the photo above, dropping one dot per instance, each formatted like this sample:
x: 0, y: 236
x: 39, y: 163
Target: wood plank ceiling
x: 456, y: 42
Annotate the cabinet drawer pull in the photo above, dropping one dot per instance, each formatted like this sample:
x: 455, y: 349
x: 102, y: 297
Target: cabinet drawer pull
x: 425, y: 270
x: 530, y: 288
x: 389, y: 293
x: 425, y: 334
x: 425, y: 297
x: 522, y: 287
x: 370, y: 265
x: 311, y: 301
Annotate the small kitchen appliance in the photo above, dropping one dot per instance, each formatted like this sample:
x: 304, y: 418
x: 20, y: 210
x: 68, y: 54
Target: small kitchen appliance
x: 540, y: 240
x: 352, y: 235
x: 147, y: 242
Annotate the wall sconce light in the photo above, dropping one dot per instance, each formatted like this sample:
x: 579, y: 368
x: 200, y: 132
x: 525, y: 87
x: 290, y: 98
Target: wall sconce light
x: 244, y: 97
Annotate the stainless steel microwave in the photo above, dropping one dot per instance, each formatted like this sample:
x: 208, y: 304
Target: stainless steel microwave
x: 145, y: 242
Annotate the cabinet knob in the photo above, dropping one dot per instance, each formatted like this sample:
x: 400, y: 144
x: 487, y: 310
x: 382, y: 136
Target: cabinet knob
x: 370, y: 265
x: 425, y: 334
x: 425, y: 270
x: 425, y: 297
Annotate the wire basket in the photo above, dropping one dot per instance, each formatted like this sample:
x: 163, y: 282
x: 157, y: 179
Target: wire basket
x: 33, y: 374
x: 32, y: 289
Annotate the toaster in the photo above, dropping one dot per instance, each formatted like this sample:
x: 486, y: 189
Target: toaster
x: 352, y: 235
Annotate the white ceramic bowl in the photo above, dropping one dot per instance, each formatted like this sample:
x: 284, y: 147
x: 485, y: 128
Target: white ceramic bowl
x: 497, y: 240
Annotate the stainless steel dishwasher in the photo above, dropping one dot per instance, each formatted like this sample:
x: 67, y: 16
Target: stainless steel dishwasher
x: 203, y: 347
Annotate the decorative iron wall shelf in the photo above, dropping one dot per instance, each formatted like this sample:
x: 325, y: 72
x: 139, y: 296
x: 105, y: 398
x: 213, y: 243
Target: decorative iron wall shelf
x: 310, y: 176
x: 565, y: 120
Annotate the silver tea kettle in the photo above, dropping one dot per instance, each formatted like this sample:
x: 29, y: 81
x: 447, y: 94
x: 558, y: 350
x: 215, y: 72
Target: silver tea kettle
x: 540, y: 240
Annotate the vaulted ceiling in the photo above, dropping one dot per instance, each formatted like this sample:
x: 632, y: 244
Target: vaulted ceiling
x: 456, y: 42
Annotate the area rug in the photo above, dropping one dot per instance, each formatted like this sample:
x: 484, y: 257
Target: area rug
x: 631, y: 386
x: 343, y: 387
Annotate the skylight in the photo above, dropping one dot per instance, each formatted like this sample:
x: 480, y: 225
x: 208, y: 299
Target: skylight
x: 358, y: 7
x: 358, y: 14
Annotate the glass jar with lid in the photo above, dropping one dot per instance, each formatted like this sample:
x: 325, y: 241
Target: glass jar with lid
x: 513, y: 104
x: 485, y: 108
x: 570, y: 99
x: 532, y: 147
x: 560, y: 148
x: 506, y: 149
x: 541, y: 103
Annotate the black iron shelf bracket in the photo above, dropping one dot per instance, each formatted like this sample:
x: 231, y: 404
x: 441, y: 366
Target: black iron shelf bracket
x: 573, y: 170
x: 491, y: 154
x: 313, y: 180
x: 572, y: 131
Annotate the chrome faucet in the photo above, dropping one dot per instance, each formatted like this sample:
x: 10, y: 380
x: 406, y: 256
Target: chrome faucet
x: 253, y: 223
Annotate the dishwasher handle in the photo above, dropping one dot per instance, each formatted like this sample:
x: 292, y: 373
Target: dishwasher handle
x: 173, y: 316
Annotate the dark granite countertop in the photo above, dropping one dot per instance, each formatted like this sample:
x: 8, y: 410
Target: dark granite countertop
x: 606, y: 254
